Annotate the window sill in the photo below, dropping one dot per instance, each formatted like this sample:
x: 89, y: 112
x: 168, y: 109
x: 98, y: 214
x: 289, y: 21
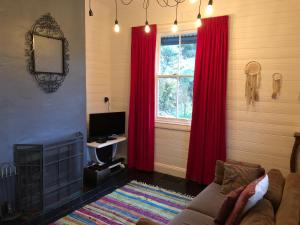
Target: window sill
x: 173, y: 125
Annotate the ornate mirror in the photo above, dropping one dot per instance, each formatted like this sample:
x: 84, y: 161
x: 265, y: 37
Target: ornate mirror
x: 47, y: 53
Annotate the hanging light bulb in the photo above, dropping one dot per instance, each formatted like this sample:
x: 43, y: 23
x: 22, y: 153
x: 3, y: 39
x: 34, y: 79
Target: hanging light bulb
x: 209, y: 8
x: 193, y: 1
x: 147, y: 27
x: 174, y: 27
x: 199, y: 21
x: 117, y: 27
x: 90, y: 11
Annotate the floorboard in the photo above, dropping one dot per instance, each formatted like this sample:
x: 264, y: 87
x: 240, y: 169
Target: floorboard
x: 91, y: 194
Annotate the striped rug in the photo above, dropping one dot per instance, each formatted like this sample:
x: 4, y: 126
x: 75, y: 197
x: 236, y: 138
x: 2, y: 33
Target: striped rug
x: 127, y: 204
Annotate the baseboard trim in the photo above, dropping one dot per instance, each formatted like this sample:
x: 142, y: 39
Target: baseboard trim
x: 169, y: 169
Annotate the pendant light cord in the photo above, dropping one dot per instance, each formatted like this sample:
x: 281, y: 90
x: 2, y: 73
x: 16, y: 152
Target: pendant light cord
x: 165, y: 3
x: 177, y: 11
x: 200, y: 7
x: 126, y: 2
x: 116, y: 3
x: 146, y: 6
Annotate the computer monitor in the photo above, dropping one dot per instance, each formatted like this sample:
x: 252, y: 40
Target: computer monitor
x: 106, y: 124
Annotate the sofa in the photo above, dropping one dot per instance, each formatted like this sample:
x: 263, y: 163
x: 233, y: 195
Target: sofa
x: 280, y: 206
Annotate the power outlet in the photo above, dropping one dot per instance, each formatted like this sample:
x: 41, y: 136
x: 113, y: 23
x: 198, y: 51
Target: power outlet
x: 106, y: 99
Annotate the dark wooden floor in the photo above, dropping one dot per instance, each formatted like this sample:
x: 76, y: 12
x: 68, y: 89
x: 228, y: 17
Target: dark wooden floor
x: 109, y: 185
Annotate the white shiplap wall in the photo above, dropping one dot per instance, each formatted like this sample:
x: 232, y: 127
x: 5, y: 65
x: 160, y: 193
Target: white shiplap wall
x: 98, y: 56
x: 263, y: 30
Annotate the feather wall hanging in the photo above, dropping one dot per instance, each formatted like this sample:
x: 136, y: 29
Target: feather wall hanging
x: 253, y: 79
x: 277, y: 81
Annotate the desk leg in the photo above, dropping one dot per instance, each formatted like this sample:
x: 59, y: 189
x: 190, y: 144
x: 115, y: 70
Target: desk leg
x: 93, y: 156
x: 114, y: 153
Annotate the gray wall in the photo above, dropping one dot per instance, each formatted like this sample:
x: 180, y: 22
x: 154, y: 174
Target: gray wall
x: 27, y: 114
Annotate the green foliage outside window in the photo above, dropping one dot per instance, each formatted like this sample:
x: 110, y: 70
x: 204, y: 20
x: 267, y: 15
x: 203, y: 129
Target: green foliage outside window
x: 175, y: 90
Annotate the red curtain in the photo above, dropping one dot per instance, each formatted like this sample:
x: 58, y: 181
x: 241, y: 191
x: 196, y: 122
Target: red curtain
x: 142, y: 93
x: 208, y: 131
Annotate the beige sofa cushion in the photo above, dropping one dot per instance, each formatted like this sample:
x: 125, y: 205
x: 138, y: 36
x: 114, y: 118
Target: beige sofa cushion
x: 276, y: 185
x: 261, y: 214
x: 190, y: 217
x: 209, y: 201
x: 289, y: 209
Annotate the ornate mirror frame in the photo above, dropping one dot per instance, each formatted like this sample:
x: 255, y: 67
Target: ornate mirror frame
x: 47, y: 27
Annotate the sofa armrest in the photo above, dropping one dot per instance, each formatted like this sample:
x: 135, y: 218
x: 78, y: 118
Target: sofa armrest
x: 144, y: 221
x: 288, y: 212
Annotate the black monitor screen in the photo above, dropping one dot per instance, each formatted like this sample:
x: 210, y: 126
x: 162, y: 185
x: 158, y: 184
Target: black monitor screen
x: 106, y: 124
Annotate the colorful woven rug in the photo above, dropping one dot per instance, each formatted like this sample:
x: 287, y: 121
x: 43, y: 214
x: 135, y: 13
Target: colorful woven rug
x: 129, y: 203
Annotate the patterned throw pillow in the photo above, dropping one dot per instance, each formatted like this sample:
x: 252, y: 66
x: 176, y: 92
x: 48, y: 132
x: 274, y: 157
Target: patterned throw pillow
x: 236, y: 176
x: 219, y: 169
x: 247, y: 164
x: 219, y: 172
x: 228, y: 205
x: 237, y: 212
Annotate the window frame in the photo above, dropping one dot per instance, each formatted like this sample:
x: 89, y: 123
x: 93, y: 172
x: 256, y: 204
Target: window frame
x: 160, y: 119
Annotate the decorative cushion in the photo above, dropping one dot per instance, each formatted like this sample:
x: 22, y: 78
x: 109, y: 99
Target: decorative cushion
x: 236, y: 176
x: 228, y: 205
x: 260, y: 190
x: 219, y: 169
x: 261, y: 214
x: 247, y: 164
x: 289, y: 209
x: 237, y: 212
x: 219, y: 172
x: 275, y: 190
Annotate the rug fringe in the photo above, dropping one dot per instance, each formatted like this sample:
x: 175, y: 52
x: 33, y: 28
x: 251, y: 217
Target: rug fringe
x: 160, y: 188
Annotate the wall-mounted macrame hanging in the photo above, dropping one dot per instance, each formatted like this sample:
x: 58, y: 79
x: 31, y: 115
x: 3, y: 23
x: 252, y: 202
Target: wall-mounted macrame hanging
x: 277, y: 80
x: 253, y: 78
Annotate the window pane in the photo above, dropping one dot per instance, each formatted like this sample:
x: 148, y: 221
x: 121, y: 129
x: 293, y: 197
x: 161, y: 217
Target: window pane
x: 169, y: 55
x: 189, y: 38
x: 188, y: 53
x: 187, y: 64
x: 185, y: 97
x: 167, y: 97
x: 169, y: 40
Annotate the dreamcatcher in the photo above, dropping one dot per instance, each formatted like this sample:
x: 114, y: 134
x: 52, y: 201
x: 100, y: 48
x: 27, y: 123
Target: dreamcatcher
x: 253, y: 78
x: 277, y: 79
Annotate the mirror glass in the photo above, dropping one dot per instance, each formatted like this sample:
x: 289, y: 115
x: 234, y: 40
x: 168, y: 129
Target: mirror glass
x: 48, y: 54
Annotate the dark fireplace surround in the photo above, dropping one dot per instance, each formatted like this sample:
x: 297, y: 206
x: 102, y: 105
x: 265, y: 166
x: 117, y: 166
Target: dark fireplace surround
x: 49, y: 174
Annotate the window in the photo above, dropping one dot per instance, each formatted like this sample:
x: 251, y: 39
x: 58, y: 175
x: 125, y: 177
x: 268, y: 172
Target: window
x: 175, y: 76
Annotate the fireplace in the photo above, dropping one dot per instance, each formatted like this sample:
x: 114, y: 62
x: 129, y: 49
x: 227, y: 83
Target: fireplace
x: 49, y: 175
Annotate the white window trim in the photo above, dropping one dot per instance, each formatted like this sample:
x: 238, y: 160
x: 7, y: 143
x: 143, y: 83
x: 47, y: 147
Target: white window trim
x: 164, y: 30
